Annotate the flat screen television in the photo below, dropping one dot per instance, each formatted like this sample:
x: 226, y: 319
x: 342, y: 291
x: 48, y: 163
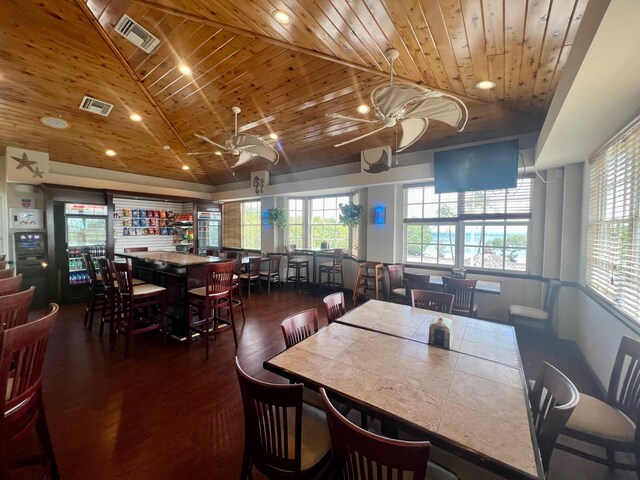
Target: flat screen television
x: 483, y: 167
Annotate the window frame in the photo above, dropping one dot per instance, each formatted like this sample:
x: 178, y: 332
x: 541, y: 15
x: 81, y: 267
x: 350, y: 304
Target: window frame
x: 463, y: 220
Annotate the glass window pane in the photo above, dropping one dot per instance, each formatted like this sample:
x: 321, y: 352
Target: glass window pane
x: 473, y: 235
x: 414, y: 233
x: 414, y: 211
x: 494, y: 235
x: 414, y: 195
x: 473, y: 257
x: 493, y: 258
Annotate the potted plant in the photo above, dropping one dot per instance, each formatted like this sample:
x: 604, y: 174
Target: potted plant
x: 350, y: 214
x: 277, y: 216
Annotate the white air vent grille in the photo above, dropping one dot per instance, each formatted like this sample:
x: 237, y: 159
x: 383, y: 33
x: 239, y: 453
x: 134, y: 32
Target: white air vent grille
x: 137, y: 34
x: 95, y: 106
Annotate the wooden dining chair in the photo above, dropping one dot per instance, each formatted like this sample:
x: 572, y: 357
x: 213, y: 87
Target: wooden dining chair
x: 207, y: 303
x: 14, y: 308
x: 611, y: 424
x: 430, y: 300
x: 283, y: 437
x: 212, y: 252
x: 553, y: 400
x: 397, y: 292
x: 252, y: 276
x: 333, y: 268
x: 464, y: 291
x: 96, y: 292
x: 22, y: 356
x: 362, y: 455
x: 137, y: 303
x: 538, y: 315
x: 10, y: 285
x: 223, y: 255
x: 334, y: 306
x: 136, y: 249
x: 413, y: 281
x: 299, y: 326
x: 6, y: 273
x: 272, y: 275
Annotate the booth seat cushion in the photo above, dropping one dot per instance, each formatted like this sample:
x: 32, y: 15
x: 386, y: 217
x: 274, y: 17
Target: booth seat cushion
x: 527, y: 312
x: 597, y: 418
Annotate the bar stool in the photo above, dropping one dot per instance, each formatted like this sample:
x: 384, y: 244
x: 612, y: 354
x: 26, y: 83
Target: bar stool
x: 370, y: 278
x: 332, y: 268
x: 273, y: 274
x: 134, y: 298
x: 235, y: 284
x: 209, y: 301
x: 297, y: 264
x: 96, y: 292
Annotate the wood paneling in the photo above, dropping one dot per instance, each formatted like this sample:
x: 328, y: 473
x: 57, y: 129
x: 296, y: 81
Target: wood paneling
x: 285, y: 78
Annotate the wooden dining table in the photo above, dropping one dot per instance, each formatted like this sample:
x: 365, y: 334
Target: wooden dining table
x: 470, y: 400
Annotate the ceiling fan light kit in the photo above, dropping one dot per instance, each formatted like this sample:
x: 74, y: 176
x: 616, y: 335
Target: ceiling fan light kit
x: 410, y: 106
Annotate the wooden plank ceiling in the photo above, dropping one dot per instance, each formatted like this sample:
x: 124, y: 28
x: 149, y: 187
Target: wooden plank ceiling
x: 285, y: 78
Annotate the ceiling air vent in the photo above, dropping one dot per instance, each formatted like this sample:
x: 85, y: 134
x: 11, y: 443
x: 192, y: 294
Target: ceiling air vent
x: 95, y: 106
x: 136, y: 34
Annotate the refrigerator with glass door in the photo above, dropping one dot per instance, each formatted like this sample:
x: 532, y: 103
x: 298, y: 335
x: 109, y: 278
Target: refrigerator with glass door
x: 208, y: 230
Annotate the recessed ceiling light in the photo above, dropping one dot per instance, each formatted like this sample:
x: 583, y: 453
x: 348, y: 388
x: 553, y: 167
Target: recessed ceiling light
x: 54, y: 123
x: 218, y: 152
x: 281, y: 17
x: 273, y: 136
x: 110, y: 153
x: 184, y: 69
x: 135, y: 117
x: 166, y: 147
x: 363, y: 109
x: 486, y: 85
x: 185, y: 167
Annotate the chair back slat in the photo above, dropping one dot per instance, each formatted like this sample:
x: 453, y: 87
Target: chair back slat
x: 23, y: 351
x: 123, y: 276
x: 429, y: 300
x: 334, y: 306
x: 362, y: 455
x: 395, y: 276
x: 10, y: 285
x: 553, y: 399
x: 14, y: 308
x: 106, y: 272
x: 299, y: 326
x: 273, y: 425
x: 464, y: 291
x: 624, y: 386
x: 413, y: 281
x: 91, y: 269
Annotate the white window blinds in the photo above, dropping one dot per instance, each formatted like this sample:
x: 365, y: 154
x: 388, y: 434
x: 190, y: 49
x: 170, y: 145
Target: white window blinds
x: 613, y: 260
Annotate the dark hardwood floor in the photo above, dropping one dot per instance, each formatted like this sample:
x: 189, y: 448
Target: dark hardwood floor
x: 165, y: 413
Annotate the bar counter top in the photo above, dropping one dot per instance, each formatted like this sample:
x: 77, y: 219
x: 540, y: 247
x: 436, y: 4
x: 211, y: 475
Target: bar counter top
x: 170, y: 258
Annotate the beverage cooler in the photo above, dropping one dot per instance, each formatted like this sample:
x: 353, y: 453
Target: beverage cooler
x: 85, y: 231
x: 208, y: 230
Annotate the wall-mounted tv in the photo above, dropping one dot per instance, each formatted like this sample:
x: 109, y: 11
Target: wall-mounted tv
x: 483, y: 167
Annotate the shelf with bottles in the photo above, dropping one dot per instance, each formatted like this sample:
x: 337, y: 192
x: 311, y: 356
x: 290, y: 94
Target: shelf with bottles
x: 78, y: 278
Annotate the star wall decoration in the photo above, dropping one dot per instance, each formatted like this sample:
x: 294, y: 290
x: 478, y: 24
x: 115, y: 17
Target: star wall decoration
x: 24, y: 162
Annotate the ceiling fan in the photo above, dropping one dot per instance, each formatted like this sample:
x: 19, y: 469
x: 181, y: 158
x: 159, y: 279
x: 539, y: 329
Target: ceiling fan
x: 244, y: 146
x: 411, y: 106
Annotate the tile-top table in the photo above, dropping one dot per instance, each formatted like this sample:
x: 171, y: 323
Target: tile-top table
x: 170, y: 258
x: 487, y: 340
x: 471, y: 406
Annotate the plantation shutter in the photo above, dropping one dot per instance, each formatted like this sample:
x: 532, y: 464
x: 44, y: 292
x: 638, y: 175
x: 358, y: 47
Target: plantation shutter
x: 613, y: 242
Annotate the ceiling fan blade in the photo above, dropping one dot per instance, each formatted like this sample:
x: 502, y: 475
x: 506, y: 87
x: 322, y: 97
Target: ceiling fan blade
x: 412, y: 130
x: 244, y: 157
x: 202, y: 137
x: 346, y: 117
x: 264, y: 151
x: 361, y: 136
x: 389, y: 99
x: 202, y: 153
x: 441, y: 108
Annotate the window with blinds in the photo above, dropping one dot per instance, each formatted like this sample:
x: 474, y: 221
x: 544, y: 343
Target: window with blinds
x: 613, y: 236
x: 484, y: 229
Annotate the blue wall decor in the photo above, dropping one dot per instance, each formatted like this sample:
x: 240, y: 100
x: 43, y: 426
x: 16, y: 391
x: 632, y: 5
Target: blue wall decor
x: 380, y: 215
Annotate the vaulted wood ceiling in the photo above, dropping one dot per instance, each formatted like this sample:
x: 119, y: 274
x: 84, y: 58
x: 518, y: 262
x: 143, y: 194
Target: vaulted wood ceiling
x: 285, y: 78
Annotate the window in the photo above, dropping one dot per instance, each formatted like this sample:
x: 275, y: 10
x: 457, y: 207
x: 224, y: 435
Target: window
x: 296, y: 222
x: 613, y: 237
x: 484, y: 229
x: 324, y: 226
x: 251, y: 226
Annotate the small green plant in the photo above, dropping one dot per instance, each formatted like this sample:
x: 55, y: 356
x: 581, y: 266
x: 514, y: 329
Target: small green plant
x: 277, y: 216
x: 350, y: 214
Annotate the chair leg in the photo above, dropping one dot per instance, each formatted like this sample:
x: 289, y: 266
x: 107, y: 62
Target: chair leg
x: 42, y: 431
x: 233, y: 325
